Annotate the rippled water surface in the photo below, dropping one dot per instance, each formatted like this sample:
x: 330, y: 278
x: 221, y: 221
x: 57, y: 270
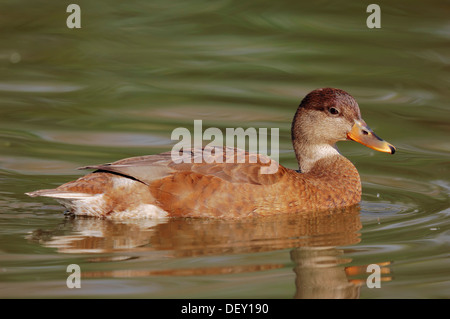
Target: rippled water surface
x: 136, y: 70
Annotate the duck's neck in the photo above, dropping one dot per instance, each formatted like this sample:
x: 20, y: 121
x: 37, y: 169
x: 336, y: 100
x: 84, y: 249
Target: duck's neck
x: 308, y: 155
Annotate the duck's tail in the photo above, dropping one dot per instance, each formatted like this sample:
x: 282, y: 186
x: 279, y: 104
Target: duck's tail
x: 75, y: 202
x: 56, y: 193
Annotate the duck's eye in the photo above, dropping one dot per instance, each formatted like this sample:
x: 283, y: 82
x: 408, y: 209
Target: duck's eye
x: 333, y: 111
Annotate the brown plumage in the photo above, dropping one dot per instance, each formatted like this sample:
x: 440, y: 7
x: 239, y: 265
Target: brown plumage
x: 156, y: 186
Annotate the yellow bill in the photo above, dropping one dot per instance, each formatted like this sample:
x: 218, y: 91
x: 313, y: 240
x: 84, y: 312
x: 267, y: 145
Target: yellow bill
x: 361, y: 133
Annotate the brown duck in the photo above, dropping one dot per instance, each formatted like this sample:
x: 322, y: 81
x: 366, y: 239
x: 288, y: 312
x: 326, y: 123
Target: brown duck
x: 155, y: 186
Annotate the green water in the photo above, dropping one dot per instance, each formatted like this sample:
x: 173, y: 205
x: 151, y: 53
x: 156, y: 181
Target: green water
x: 136, y: 70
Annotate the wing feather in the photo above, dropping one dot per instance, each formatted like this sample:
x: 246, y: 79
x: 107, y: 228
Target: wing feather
x: 232, y: 165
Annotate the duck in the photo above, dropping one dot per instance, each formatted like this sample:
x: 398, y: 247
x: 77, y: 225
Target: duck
x: 157, y: 186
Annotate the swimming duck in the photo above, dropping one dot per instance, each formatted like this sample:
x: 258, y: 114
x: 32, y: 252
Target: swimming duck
x: 156, y: 186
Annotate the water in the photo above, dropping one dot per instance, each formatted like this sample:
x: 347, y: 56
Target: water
x: 135, y: 71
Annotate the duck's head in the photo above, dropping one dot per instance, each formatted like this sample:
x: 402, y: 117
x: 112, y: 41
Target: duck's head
x: 324, y: 117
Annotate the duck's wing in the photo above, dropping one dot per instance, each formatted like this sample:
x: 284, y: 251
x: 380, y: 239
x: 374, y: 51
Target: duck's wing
x: 231, y: 165
x: 142, y: 168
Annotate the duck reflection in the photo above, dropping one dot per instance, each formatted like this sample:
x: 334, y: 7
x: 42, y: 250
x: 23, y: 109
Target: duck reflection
x: 313, y: 238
